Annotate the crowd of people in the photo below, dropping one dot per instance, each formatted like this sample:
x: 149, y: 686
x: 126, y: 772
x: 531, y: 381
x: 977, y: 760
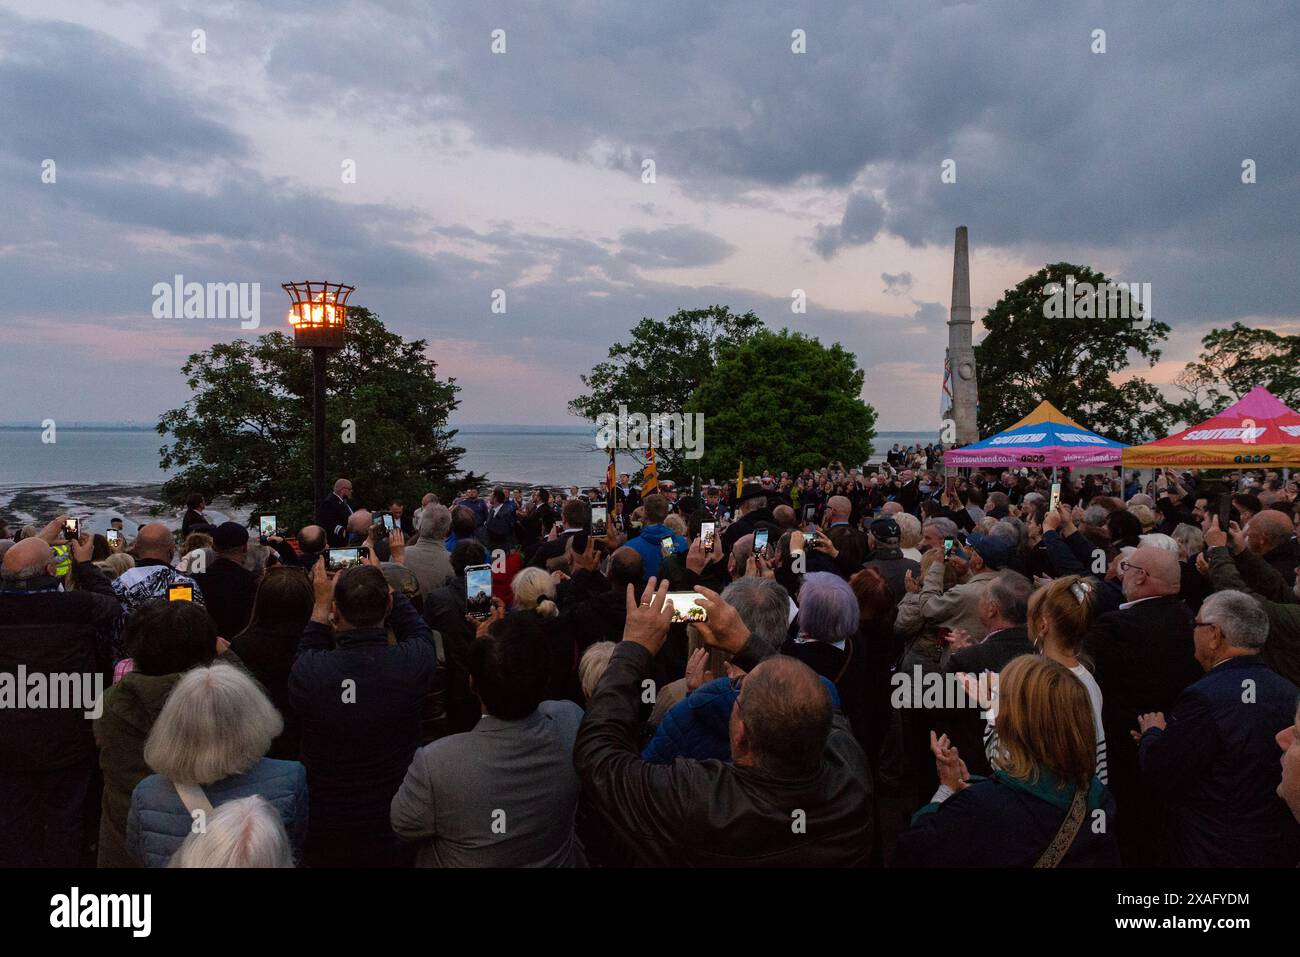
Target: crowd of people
x: 835, y: 667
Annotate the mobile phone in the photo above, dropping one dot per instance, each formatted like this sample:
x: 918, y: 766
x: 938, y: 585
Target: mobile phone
x: 686, y: 606
x: 388, y: 521
x: 667, y: 547
x: 114, y: 537
x: 71, y: 529
x: 760, y: 541
x: 1225, y: 510
x: 266, y: 525
x: 599, y: 516
x: 708, y: 532
x: 340, y: 558
x: 1055, y: 498
x: 948, y: 545
x: 180, y: 592
x: 478, y: 591
x: 810, y: 513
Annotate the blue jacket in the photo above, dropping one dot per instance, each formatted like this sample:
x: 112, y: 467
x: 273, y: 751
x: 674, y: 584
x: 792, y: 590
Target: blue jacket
x: 158, y: 822
x: 650, y: 547
x: 697, y: 726
x: 1216, y: 768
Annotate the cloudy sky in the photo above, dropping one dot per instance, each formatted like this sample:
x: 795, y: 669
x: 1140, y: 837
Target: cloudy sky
x: 522, y: 171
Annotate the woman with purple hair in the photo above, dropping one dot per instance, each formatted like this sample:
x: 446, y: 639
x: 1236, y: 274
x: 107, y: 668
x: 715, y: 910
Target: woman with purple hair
x: 824, y: 637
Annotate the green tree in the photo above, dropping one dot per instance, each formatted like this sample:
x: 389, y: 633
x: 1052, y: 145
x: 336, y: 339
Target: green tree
x: 245, y: 432
x: 1032, y: 352
x: 659, y: 368
x: 1232, y: 362
x: 782, y: 400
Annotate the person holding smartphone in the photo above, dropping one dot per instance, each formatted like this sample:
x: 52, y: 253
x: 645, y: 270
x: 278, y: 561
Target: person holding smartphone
x: 48, y: 631
x: 357, y: 750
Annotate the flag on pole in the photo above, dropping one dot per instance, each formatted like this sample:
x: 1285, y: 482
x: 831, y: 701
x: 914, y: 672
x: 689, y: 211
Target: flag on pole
x: 611, y: 476
x: 945, y: 397
x: 740, y: 478
x: 650, y: 477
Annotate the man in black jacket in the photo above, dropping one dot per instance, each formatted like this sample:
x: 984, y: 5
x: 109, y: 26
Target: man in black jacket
x: 47, y: 754
x: 753, y: 514
x: 1214, y: 762
x: 444, y: 611
x: 798, y: 789
x: 602, y: 614
x: 576, y: 519
x: 885, y: 540
x: 228, y: 587
x: 1268, y: 535
x: 1144, y: 658
x: 334, y: 512
x: 361, y: 701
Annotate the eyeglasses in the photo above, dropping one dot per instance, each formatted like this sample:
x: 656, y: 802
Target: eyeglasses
x: 1125, y: 566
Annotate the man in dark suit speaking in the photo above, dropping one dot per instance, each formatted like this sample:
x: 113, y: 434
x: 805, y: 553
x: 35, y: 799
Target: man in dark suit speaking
x: 334, y: 512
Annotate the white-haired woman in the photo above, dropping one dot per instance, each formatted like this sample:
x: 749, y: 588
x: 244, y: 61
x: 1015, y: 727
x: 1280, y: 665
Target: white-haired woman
x: 534, y: 590
x: 245, y: 832
x: 208, y: 747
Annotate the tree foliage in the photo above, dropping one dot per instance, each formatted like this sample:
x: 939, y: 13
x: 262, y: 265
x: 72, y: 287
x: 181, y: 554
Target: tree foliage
x: 1028, y: 356
x: 782, y: 400
x: 1232, y: 362
x: 245, y: 432
x: 661, y: 365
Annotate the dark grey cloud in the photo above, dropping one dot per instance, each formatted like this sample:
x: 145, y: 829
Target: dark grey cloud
x: 87, y: 101
x: 897, y: 284
x: 863, y: 217
x: 1130, y: 159
x: 673, y: 246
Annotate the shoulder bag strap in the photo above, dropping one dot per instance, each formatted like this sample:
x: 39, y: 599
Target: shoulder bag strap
x: 1069, y: 828
x: 193, y: 798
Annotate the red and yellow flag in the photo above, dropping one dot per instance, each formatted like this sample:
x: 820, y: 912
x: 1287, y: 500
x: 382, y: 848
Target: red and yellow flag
x: 650, y: 477
x: 611, y: 476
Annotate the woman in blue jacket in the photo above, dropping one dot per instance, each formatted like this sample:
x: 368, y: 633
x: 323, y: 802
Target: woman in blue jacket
x: 208, y: 747
x: 1043, y: 806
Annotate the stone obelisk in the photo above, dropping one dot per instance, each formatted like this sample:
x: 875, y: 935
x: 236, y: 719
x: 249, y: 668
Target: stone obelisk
x: 961, y: 351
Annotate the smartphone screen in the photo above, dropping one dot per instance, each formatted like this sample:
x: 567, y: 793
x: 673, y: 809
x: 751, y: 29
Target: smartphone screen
x: 71, y: 528
x: 708, y: 532
x: 179, y: 592
x: 667, y: 547
x: 810, y: 513
x: 266, y: 525
x: 760, y: 541
x: 114, y: 536
x: 948, y: 545
x: 478, y: 591
x: 340, y: 558
x: 1055, y: 498
x: 685, y: 607
x: 599, y: 516
x: 388, y: 521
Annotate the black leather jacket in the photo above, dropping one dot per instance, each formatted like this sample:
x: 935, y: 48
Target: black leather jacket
x: 713, y: 813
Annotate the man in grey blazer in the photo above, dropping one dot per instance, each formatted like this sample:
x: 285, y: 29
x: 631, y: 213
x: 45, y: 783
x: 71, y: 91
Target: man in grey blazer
x: 428, y: 557
x: 504, y: 794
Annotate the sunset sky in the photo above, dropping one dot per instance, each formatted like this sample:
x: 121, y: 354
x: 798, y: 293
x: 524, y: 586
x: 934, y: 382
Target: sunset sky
x: 522, y: 171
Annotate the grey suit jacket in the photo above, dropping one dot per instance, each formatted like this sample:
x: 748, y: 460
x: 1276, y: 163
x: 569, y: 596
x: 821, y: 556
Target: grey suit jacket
x: 431, y: 565
x: 502, y: 795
